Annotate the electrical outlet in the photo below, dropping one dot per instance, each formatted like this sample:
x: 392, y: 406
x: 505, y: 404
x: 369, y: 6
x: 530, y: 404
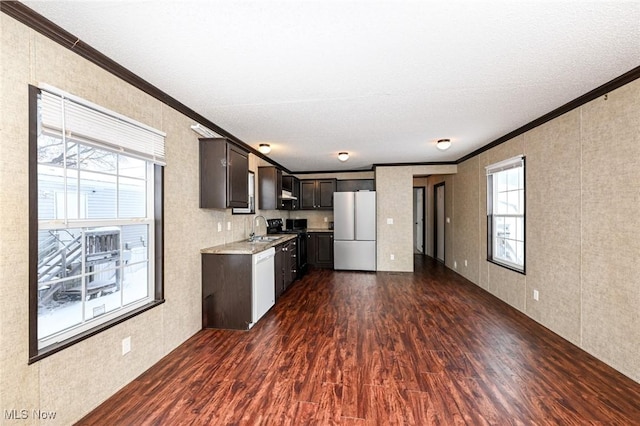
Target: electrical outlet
x: 126, y: 345
x: 393, y: 257
x: 465, y: 263
x: 455, y: 265
x: 389, y: 221
x: 228, y: 226
x: 326, y: 219
x: 219, y: 227
x: 536, y: 295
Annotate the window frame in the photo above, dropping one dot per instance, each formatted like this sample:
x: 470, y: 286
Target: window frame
x: 491, y: 170
x: 157, y: 263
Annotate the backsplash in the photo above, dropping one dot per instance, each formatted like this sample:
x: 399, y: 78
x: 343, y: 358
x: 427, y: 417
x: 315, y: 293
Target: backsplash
x: 315, y: 218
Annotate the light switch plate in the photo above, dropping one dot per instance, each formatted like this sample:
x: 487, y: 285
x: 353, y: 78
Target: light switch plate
x: 389, y: 221
x: 126, y: 345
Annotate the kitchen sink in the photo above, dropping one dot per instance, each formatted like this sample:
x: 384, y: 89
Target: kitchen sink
x: 263, y: 239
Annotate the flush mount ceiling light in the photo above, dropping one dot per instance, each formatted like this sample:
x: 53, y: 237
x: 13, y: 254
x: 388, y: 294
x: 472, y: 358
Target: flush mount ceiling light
x: 264, y: 148
x: 443, y: 144
x: 343, y: 156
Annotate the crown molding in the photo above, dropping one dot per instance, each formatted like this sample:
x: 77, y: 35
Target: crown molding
x: 609, y: 86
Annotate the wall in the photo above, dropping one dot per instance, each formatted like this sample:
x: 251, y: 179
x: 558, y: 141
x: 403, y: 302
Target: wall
x: 395, y: 201
x: 77, y: 379
x: 582, y: 203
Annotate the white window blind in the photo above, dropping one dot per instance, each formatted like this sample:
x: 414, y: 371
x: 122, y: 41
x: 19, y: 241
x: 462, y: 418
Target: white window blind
x: 511, y: 163
x: 79, y: 119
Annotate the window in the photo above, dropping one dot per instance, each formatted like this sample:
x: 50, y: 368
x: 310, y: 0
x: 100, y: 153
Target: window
x: 505, y: 214
x: 96, y: 228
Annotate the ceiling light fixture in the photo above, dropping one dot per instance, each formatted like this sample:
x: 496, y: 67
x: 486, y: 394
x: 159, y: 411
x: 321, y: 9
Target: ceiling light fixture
x: 443, y: 144
x: 264, y: 148
x: 343, y: 156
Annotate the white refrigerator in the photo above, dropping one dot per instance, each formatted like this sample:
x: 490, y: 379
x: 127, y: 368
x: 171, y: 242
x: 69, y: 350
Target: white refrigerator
x: 354, y: 230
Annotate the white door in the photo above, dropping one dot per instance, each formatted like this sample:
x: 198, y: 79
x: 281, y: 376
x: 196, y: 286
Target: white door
x: 440, y: 221
x: 418, y: 220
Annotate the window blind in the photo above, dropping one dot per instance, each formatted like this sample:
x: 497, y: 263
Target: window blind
x: 511, y: 163
x: 80, y: 119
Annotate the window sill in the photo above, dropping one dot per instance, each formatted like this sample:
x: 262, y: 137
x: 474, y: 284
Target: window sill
x: 52, y: 349
x: 509, y: 267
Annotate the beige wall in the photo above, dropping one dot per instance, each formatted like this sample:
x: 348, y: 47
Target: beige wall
x: 395, y: 201
x: 77, y: 379
x: 583, y: 198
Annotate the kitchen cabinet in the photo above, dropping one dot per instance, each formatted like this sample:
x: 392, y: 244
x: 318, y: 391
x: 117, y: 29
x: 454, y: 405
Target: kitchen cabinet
x: 226, y: 291
x: 271, y: 183
x: 292, y: 185
x: 352, y: 185
x: 285, y: 266
x: 317, y: 194
x: 270, y: 188
x: 224, y: 168
x: 320, y: 249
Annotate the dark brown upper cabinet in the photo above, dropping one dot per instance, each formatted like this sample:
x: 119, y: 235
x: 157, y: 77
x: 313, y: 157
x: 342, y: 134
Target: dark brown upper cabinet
x: 272, y: 184
x: 292, y: 185
x: 270, y: 188
x: 224, y: 168
x: 317, y: 194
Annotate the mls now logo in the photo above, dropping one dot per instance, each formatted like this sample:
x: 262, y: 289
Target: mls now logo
x: 25, y: 414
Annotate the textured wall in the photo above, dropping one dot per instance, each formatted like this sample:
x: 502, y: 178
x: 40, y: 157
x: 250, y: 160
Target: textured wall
x: 465, y: 221
x: 610, y: 221
x: 395, y: 200
x: 553, y: 224
x: 77, y: 379
x: 583, y: 198
x: 19, y: 384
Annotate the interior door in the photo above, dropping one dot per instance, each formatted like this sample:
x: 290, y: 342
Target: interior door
x: 439, y: 221
x: 418, y: 220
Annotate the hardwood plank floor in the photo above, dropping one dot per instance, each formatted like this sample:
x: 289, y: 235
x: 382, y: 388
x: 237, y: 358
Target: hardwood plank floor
x: 352, y: 348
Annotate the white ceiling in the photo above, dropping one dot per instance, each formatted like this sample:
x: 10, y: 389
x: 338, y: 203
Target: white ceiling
x: 381, y: 79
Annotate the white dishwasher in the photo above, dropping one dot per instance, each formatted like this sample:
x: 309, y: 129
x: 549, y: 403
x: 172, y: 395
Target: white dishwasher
x: 263, y: 283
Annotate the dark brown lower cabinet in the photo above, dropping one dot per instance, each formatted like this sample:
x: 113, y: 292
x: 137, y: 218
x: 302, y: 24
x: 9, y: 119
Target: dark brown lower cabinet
x: 320, y: 249
x: 226, y: 291
x: 285, y: 266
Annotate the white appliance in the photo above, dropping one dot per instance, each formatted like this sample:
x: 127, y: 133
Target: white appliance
x: 354, y: 230
x: 263, y: 295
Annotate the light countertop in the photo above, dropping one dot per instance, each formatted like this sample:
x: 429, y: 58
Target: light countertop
x: 245, y: 247
x: 319, y: 230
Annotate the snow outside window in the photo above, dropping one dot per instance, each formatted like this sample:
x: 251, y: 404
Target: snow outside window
x: 95, y: 205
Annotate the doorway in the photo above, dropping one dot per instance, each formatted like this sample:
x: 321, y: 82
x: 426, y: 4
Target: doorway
x: 418, y: 219
x: 439, y: 221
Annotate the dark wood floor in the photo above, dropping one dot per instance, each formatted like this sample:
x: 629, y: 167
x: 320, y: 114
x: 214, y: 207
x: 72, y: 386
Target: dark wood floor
x: 376, y: 349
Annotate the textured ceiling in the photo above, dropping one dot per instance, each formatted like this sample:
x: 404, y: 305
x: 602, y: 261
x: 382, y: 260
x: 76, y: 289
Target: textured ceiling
x: 381, y: 79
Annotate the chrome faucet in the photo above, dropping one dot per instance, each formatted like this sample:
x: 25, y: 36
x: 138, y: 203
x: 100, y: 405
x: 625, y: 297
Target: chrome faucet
x: 252, y: 235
